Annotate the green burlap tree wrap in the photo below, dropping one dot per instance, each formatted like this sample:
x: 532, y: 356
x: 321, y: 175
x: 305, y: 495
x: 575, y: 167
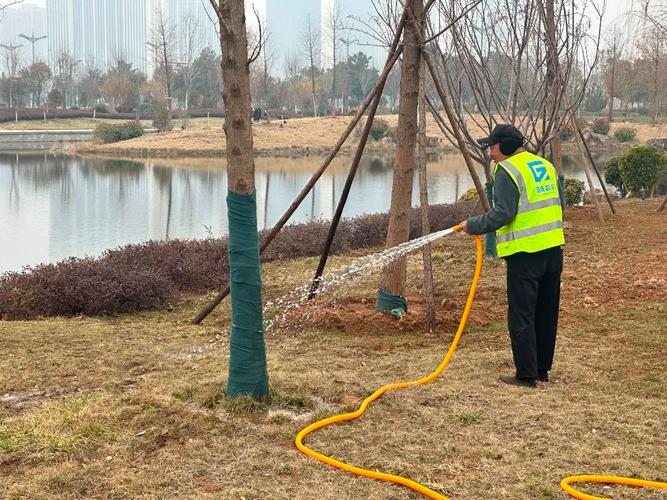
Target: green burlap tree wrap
x: 247, y: 353
x: 386, y: 302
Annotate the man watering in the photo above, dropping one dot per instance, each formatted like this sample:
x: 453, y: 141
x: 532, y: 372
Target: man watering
x: 527, y: 217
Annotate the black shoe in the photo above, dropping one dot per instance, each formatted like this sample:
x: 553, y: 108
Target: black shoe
x: 521, y: 382
x: 543, y: 377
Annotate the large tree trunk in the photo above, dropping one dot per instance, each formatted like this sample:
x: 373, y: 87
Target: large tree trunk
x: 236, y: 97
x: 247, y: 364
x: 394, y: 275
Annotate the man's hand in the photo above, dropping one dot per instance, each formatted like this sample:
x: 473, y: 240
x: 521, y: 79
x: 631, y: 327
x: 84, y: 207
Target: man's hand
x: 464, y: 226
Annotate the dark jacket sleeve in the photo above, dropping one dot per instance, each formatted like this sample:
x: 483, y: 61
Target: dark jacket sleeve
x: 561, y: 194
x: 505, y: 206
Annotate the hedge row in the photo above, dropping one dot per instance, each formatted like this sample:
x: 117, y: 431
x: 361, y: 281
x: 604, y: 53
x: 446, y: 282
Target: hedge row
x: 9, y: 114
x: 149, y: 275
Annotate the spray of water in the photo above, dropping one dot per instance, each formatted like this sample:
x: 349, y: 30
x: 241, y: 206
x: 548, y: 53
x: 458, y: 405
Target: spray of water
x: 276, y: 311
x: 336, y: 281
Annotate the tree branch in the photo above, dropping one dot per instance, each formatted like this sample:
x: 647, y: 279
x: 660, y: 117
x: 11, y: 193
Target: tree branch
x: 258, y: 46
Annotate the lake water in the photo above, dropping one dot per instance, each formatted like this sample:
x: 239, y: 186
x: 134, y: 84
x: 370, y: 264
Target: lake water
x: 53, y: 206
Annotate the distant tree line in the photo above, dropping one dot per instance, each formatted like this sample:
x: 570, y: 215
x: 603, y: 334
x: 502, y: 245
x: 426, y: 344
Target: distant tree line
x: 633, y: 70
x: 60, y: 85
x: 187, y: 76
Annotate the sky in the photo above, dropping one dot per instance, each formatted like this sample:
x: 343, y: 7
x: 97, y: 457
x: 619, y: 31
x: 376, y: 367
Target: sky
x: 614, y: 8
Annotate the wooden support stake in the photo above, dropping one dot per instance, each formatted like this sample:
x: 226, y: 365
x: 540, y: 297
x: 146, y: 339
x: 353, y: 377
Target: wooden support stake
x: 343, y: 197
x: 592, y: 163
x: 423, y: 200
x: 584, y: 161
x: 662, y: 207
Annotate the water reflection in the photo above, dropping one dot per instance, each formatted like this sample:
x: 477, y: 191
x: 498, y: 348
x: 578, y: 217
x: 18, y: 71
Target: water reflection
x: 53, y: 207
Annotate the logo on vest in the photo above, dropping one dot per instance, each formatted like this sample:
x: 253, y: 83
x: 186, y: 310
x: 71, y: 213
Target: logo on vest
x: 539, y: 170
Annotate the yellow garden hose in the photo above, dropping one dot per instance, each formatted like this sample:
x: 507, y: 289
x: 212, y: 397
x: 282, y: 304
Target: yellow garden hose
x: 628, y: 481
x: 425, y: 380
x: 355, y: 414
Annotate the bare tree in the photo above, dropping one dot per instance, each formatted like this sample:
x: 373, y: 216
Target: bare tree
x: 652, y: 48
x: 11, y: 60
x: 615, y: 45
x: 192, y: 40
x: 504, y: 72
x: 63, y: 76
x: 268, y: 61
x: 553, y: 75
x: 311, y: 50
x: 333, y: 28
x: 393, y: 278
x: 163, y: 41
x: 393, y: 87
x: 423, y: 201
x: 7, y: 5
x: 247, y: 366
x: 652, y: 13
x: 292, y: 73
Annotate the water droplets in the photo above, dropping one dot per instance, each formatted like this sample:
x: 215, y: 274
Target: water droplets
x: 276, y: 311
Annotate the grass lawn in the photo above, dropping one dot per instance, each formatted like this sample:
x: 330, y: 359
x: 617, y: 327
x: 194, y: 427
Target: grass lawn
x: 119, y: 407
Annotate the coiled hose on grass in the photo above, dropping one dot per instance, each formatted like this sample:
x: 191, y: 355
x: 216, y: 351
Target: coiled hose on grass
x: 424, y: 490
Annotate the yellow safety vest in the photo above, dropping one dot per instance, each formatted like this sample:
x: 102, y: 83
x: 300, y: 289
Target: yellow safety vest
x: 538, y: 224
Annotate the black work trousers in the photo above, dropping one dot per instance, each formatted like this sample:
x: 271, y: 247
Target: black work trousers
x: 533, y: 297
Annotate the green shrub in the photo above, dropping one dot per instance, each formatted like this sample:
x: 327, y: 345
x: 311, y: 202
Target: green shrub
x: 153, y: 274
x: 625, y: 134
x: 379, y: 129
x: 612, y: 175
x: 470, y: 195
x: 108, y: 133
x: 574, y: 191
x: 600, y: 126
x: 642, y: 167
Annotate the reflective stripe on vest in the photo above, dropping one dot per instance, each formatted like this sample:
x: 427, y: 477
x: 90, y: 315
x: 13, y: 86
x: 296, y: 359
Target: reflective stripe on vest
x: 538, y: 224
x: 531, y: 231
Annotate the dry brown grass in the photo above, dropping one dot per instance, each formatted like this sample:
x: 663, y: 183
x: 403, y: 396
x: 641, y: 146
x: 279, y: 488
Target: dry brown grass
x: 202, y: 138
x: 297, y: 137
x: 61, y: 124
x: 199, y: 140
x: 103, y: 408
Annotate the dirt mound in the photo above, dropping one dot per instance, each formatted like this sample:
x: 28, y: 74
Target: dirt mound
x: 361, y: 317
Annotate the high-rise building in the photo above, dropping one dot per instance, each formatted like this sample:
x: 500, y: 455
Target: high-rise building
x: 185, y: 15
x: 98, y: 32
x: 358, y: 21
x: 27, y: 19
x: 286, y: 23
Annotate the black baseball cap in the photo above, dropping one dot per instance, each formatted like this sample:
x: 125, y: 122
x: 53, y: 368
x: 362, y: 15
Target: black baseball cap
x: 500, y: 132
